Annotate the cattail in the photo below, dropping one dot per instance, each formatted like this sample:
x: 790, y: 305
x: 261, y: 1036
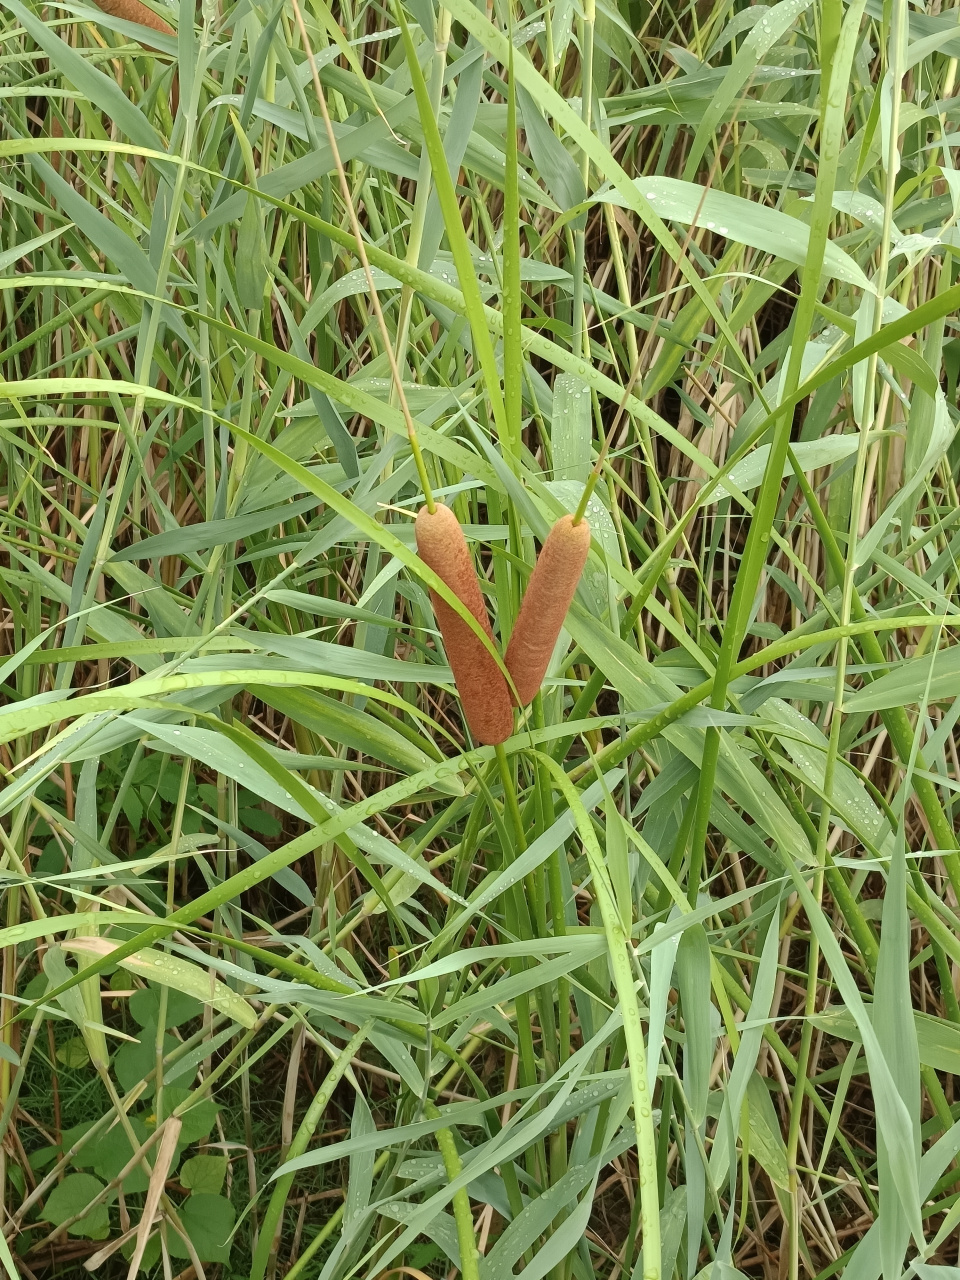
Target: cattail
x: 545, y: 604
x: 134, y: 11
x: 480, y: 682
x: 129, y: 11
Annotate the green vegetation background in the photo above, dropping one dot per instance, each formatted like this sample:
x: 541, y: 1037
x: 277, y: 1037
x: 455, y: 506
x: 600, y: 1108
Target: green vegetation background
x: 298, y: 982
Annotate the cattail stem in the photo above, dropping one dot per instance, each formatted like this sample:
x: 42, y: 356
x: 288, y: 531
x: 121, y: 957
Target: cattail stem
x: 510, y: 799
x: 594, y: 476
x: 587, y: 494
x: 365, y: 264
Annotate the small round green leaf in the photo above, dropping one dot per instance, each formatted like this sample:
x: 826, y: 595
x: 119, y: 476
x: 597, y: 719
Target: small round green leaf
x: 70, y: 1198
x: 204, y: 1174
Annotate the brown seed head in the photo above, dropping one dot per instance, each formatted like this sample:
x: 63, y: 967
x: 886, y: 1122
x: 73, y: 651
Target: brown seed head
x: 548, y: 596
x: 480, y: 682
x: 134, y: 11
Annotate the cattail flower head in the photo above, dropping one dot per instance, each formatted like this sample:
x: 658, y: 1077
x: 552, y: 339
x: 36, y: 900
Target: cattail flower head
x: 548, y: 597
x: 480, y: 682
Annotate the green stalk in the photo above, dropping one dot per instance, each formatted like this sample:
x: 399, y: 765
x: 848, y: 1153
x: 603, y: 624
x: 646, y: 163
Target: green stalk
x: 265, y: 1254
x: 424, y: 185
x: 466, y: 1238
x: 328, y: 1228
x: 758, y: 538
x: 514, y: 911
x: 895, y: 719
x: 619, y: 952
x: 483, y: 346
x: 358, y: 238
x: 512, y: 292
x: 580, y: 343
x: 836, y: 722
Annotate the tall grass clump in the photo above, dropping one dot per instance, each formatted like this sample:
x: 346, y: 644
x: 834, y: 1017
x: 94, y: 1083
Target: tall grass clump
x: 368, y: 911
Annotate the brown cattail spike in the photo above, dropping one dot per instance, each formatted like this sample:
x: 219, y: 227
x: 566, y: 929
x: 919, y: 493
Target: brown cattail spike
x: 480, y: 682
x: 549, y: 594
x: 135, y: 11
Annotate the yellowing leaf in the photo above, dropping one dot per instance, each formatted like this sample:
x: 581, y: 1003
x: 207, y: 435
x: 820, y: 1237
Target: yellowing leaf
x: 172, y: 971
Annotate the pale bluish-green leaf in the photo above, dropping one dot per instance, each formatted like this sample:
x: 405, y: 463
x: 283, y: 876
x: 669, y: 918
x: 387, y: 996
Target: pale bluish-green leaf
x: 745, y: 221
x: 693, y: 975
x: 572, y: 429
